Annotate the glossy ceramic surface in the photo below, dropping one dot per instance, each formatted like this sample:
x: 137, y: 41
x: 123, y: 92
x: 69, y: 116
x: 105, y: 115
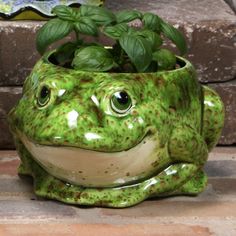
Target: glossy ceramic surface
x: 84, y: 145
x: 36, y: 9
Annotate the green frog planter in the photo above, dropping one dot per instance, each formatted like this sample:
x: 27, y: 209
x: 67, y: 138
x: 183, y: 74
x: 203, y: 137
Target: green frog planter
x: 115, y: 139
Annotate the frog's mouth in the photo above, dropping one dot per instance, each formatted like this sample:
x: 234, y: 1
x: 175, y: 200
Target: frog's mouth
x: 93, y: 168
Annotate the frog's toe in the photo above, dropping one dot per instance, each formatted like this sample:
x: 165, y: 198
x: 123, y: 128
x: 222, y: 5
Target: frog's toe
x: 25, y: 167
x: 195, y: 185
x: 23, y: 170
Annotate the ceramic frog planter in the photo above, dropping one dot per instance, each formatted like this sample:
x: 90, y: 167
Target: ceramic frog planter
x: 113, y: 139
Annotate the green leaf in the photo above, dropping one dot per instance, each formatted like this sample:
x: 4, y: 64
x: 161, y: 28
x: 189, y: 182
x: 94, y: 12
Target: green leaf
x: 99, y: 15
x: 52, y: 31
x: 152, y: 37
x: 175, y: 36
x: 152, y: 22
x: 165, y: 59
x: 65, y: 13
x: 127, y: 16
x: 93, y: 58
x: 116, y: 31
x: 138, y: 49
x: 86, y: 26
x: 65, y: 53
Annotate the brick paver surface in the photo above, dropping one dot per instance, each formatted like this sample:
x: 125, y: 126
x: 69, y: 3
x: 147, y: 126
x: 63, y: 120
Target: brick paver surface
x: 211, y: 213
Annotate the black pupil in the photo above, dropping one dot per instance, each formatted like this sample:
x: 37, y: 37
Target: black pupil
x: 122, y: 97
x: 44, y: 92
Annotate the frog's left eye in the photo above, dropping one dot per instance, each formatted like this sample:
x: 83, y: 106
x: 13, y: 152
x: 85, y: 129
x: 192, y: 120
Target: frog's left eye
x: 121, y: 102
x: 44, y: 96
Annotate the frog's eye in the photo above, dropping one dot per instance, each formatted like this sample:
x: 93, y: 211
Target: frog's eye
x: 44, y: 96
x: 121, y: 102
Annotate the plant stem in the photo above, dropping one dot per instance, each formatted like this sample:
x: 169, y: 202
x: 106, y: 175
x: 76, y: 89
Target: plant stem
x: 77, y: 35
x: 122, y: 56
x: 122, y: 60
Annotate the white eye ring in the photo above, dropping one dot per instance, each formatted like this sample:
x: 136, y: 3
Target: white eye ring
x: 43, y: 96
x: 121, y: 102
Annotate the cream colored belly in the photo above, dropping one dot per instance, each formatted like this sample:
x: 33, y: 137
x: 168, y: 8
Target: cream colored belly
x: 95, y: 169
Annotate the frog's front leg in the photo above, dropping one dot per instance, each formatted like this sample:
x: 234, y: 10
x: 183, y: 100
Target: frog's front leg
x: 188, y: 146
x: 173, y: 177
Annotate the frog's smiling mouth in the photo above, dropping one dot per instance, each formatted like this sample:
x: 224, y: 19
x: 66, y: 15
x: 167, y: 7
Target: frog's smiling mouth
x: 93, y: 168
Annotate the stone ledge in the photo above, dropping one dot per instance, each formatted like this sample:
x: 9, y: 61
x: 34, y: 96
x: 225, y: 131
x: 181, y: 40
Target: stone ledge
x: 209, y: 26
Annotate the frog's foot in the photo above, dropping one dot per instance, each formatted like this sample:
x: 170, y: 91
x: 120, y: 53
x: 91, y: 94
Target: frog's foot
x: 194, y: 186
x: 23, y: 170
x: 25, y: 167
x: 168, y: 180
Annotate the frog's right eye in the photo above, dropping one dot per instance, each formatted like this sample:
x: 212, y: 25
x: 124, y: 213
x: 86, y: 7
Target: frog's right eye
x: 121, y: 102
x: 43, y: 96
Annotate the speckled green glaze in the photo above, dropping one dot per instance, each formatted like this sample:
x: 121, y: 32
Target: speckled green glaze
x: 169, y: 109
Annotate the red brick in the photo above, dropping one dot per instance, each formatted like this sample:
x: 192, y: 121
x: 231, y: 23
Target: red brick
x: 163, y: 208
x: 104, y: 230
x: 223, y: 153
x: 8, y: 154
x: 224, y: 186
x: 9, y: 167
